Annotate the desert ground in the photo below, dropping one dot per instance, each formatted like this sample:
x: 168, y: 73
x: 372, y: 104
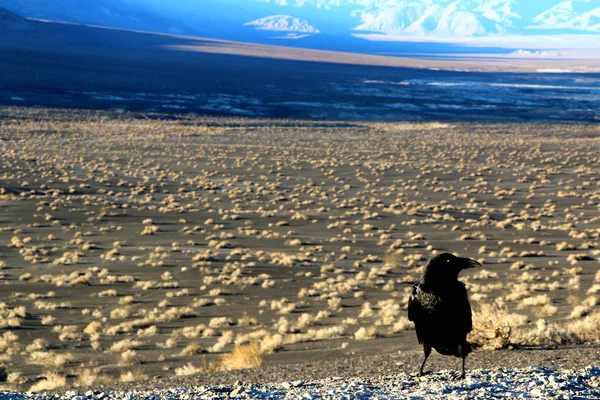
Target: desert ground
x: 150, y: 246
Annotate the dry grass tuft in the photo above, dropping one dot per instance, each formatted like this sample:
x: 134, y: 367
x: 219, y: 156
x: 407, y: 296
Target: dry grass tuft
x: 125, y: 344
x: 242, y: 357
x: 364, y: 333
x: 11, y: 317
x: 9, y: 343
x: 52, y: 358
x: 191, y: 350
x: 271, y: 343
x: 52, y: 381
x: 132, y: 376
x: 87, y: 377
x: 402, y: 324
x: 493, y: 326
x: 582, y: 331
x: 584, y: 308
x: 188, y: 369
x: 586, y: 330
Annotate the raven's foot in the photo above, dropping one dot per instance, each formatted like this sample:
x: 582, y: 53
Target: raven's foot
x: 424, y: 373
x: 459, y: 377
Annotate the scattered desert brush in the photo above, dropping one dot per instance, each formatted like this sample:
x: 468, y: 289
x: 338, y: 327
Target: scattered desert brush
x: 234, y: 239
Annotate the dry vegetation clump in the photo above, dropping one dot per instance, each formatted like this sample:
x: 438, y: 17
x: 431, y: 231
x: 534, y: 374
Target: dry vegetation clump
x: 581, y: 331
x: 9, y: 343
x: 584, y: 308
x: 191, y: 349
x: 402, y: 324
x: 88, y: 377
x: 586, y: 330
x: 51, y: 358
x: 242, y: 357
x: 188, y: 369
x: 542, y: 305
x: 11, y: 317
x: 124, y: 345
x: 135, y: 375
x: 50, y: 381
x: 366, y: 333
x: 494, y: 326
x: 271, y: 343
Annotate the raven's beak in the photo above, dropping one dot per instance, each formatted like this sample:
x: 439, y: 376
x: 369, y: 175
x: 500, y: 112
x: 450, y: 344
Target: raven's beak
x: 466, y: 263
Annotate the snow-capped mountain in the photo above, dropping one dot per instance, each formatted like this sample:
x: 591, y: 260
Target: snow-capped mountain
x: 428, y: 18
x: 336, y: 20
x: 455, y: 18
x: 583, y: 15
x: 282, y: 23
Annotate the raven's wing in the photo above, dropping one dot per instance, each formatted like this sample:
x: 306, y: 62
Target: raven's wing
x: 418, y: 314
x: 463, y: 315
x: 414, y: 306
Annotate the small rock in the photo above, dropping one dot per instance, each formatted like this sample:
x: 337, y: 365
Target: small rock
x: 536, y: 392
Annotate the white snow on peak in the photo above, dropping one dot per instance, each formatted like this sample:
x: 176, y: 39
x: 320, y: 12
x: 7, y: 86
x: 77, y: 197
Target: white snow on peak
x: 454, y: 18
x: 283, y: 23
x: 427, y: 18
x: 583, y: 15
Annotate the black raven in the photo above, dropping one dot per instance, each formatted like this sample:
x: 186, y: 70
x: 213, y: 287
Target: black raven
x: 439, y: 306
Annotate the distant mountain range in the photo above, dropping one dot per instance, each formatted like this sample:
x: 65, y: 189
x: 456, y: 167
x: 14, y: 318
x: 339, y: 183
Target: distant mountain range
x: 460, y: 18
x: 434, y: 19
x: 268, y: 20
x: 570, y: 15
x: 284, y: 23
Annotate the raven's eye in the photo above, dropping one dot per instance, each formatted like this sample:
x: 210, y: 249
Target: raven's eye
x: 447, y: 260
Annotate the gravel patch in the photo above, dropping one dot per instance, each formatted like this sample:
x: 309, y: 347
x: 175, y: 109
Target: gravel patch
x: 533, y: 382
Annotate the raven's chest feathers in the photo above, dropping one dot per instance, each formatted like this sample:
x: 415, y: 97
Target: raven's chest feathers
x: 441, y: 315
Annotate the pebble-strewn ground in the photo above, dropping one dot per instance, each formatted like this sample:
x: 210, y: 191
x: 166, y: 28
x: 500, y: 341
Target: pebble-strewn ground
x: 534, y: 382
x: 138, y: 246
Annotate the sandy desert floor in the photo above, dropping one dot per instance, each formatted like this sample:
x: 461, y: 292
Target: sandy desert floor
x: 138, y: 246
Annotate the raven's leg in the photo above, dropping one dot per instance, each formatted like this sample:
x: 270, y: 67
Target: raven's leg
x: 463, y: 350
x: 462, y: 376
x: 427, y: 351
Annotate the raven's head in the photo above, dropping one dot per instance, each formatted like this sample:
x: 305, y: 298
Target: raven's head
x: 445, y: 267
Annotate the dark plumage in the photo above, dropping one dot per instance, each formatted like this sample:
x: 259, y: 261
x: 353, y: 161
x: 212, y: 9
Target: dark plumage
x: 439, y: 307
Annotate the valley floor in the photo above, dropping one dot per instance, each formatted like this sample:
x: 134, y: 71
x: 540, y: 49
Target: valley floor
x: 140, y: 247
